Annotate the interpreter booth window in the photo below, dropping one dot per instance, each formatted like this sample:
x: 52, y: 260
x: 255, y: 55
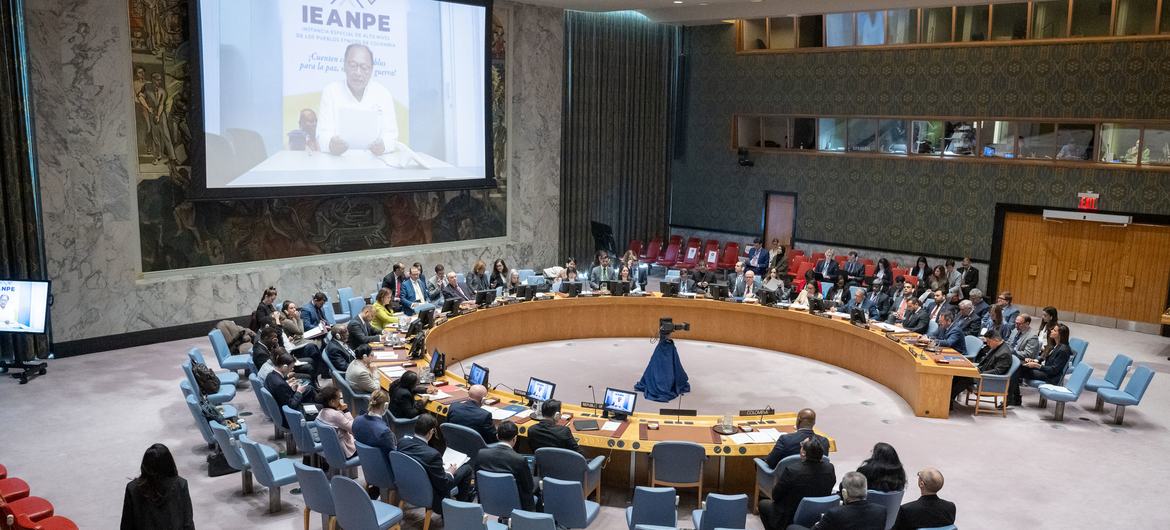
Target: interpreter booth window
x: 804, y: 133
x: 959, y: 138
x: 1076, y: 141
x: 901, y: 26
x: 971, y: 23
x: 1136, y: 17
x: 871, y: 28
x: 1158, y: 145
x: 840, y: 30
x: 1164, y: 27
x: 1037, y: 140
x: 753, y: 31
x: 781, y: 33
x: 1009, y: 21
x: 1049, y: 19
x: 775, y: 132
x: 1090, y: 18
x: 1120, y: 144
x: 936, y: 24
x: 747, y: 131
x: 927, y: 137
x: 999, y: 139
x: 892, y: 136
x: 831, y: 134
x: 812, y: 31
x: 862, y: 134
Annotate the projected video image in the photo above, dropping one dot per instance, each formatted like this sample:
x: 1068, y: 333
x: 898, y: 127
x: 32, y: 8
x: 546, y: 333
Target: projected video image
x: 340, y: 92
x: 22, y: 306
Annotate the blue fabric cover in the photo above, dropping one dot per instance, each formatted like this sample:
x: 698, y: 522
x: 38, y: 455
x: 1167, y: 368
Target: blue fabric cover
x: 664, y: 378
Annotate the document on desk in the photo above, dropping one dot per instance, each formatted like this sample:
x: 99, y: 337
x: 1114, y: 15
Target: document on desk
x: 772, y: 434
x: 451, y: 456
x: 760, y: 438
x: 439, y: 395
x: 357, y: 127
x: 611, y: 426
x: 385, y: 356
x: 498, y: 414
x: 891, y: 327
x: 741, y: 438
x: 393, y: 372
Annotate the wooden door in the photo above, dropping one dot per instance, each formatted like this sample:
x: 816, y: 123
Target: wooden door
x: 779, y: 219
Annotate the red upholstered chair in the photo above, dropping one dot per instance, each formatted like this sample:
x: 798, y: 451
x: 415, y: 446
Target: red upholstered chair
x: 636, y: 246
x: 841, y: 259
x: 818, y: 256
x: 867, y: 261
x: 730, y: 256
x: 3, y: 471
x: 55, y: 522
x: 653, y: 250
x: 870, y: 268
x: 690, y: 257
x: 912, y: 279
x: 12, y: 489
x: 675, y: 239
x: 670, y: 257
x: 893, y: 264
x: 34, y: 508
x: 805, y: 266
x: 795, y: 252
x: 694, y: 242
x: 711, y: 255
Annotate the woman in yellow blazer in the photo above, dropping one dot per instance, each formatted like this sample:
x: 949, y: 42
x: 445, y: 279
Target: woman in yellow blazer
x: 383, y: 316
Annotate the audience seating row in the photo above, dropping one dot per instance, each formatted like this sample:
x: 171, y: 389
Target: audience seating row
x: 22, y: 511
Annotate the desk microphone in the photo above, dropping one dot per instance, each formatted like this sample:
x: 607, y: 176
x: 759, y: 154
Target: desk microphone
x: 762, y: 412
x: 594, y: 393
x: 460, y: 361
x: 678, y: 413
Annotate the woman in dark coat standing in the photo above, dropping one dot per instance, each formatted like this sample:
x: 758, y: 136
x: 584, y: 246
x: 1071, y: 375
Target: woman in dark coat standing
x: 158, y: 498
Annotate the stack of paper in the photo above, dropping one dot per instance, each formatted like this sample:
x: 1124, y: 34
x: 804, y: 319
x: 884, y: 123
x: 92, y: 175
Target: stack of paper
x: 772, y: 434
x: 451, y: 456
x: 438, y: 395
x: 393, y: 372
x: 741, y: 438
x: 385, y: 356
x: 497, y: 413
x: 611, y: 425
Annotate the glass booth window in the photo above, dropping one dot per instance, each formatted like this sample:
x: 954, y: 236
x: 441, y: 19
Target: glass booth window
x: 1157, y: 143
x: 753, y: 33
x: 901, y: 26
x: 1120, y: 144
x: 892, y: 136
x: 871, y: 28
x: 840, y: 30
x: 999, y: 139
x: 927, y: 137
x: 1164, y: 27
x: 775, y: 132
x: 959, y: 138
x: 812, y: 30
x: 1090, y: 18
x: 781, y: 33
x: 1037, y: 140
x: 831, y: 134
x: 971, y: 23
x: 1050, y: 19
x: 862, y: 134
x: 1136, y: 17
x: 747, y: 131
x: 804, y: 133
x: 1076, y: 141
x: 936, y: 24
x: 1009, y: 21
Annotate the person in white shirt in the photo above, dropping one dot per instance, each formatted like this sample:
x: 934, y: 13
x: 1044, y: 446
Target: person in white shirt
x: 358, y: 92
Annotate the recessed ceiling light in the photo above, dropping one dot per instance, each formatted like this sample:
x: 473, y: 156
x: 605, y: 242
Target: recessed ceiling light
x: 678, y: 1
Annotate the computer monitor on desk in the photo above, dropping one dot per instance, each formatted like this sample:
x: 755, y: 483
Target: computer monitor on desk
x: 571, y: 288
x: 718, y: 291
x: 438, y: 363
x: 540, y: 390
x: 450, y: 305
x: 478, y: 375
x: 485, y: 297
x: 617, y: 287
x: 427, y: 318
x: 668, y: 288
x: 619, y: 403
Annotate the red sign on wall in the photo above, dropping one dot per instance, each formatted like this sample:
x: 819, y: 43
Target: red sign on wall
x: 1088, y: 200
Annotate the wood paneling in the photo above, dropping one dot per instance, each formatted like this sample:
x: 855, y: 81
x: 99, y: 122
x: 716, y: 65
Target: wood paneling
x: 1086, y: 267
x: 780, y: 219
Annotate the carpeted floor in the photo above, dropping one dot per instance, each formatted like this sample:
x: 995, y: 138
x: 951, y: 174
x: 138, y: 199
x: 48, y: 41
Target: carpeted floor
x: 77, y: 434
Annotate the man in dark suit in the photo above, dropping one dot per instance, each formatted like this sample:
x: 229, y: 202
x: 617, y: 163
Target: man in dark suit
x: 827, y: 269
x: 811, y: 477
x: 918, y: 320
x: 855, y: 512
x: 338, y: 350
x: 313, y: 314
x: 453, y: 290
x: 967, y: 320
x: 969, y: 277
x: 997, y: 361
x: 758, y: 258
x: 948, y: 334
x: 393, y: 281
x: 900, y: 304
x: 878, y: 301
x: 603, y: 271
x: 703, y: 278
x: 928, y: 511
x: 981, y: 307
x: 747, y: 287
x: 789, y: 444
x: 360, y: 330
x: 685, y: 283
x: 414, y: 292
x: 549, y: 433
x: 935, y: 305
x: 286, y: 390
x: 503, y: 458
x: 854, y: 269
x: 442, y: 478
x: 860, y: 302
x: 469, y: 414
x: 735, y: 279
x: 371, y: 429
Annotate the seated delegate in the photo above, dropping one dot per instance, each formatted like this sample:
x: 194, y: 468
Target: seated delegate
x: 502, y: 458
x: 855, y: 511
x: 811, y: 477
x: 548, y: 433
x: 929, y: 511
x: 789, y: 444
x: 402, y: 392
x: 442, y: 478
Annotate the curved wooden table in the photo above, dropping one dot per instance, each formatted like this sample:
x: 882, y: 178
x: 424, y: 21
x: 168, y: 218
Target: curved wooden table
x: 923, y: 383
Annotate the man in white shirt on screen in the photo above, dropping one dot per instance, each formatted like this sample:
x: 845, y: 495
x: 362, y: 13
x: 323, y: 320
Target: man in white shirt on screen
x: 360, y: 93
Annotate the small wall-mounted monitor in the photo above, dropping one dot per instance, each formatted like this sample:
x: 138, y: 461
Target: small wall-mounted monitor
x: 478, y: 375
x: 540, y: 390
x: 619, y: 403
x: 24, y: 305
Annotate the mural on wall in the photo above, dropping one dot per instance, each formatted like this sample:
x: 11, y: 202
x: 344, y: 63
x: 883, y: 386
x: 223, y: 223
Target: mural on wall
x: 176, y: 233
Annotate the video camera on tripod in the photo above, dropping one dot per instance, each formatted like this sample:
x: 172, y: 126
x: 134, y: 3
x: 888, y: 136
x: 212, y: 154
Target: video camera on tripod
x: 666, y: 326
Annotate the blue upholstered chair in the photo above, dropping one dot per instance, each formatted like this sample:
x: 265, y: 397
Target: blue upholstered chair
x: 201, y: 422
x: 332, y: 450
x: 459, y: 515
x: 931, y: 327
x: 331, y: 315
x: 1078, y: 347
x: 223, y: 354
x: 357, y: 401
x: 235, y: 456
x: 271, y: 475
x: 497, y: 493
x: 671, y: 275
x: 525, y: 274
x: 226, y: 392
x: 301, y: 433
x: 892, y: 500
x: 345, y: 293
x: 766, y: 479
x: 563, y: 464
x: 225, y: 378
x: 652, y: 506
x: 1132, y: 395
x: 463, y: 439
x: 994, y: 387
x: 400, y: 426
x: 522, y: 520
x: 564, y: 500
x: 825, y: 286
x: 272, y: 411
x: 721, y: 511
x: 317, y: 492
x: 971, y: 347
x: 1113, y: 377
x: 810, y: 509
x: 414, y: 486
x: 678, y: 464
x: 376, y: 468
x: 1069, y: 393
x: 354, y: 304
x: 355, y: 510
